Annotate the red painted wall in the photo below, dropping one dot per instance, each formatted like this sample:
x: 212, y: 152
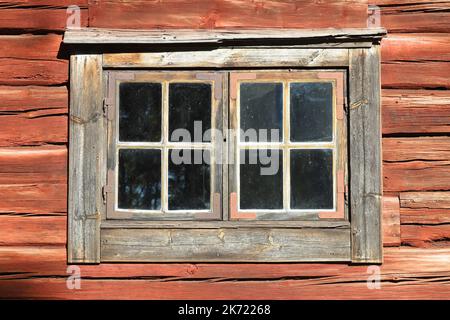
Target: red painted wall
x: 33, y: 153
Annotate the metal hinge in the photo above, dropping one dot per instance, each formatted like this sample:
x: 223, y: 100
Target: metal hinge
x: 346, y: 104
x: 105, y: 190
x: 108, y: 111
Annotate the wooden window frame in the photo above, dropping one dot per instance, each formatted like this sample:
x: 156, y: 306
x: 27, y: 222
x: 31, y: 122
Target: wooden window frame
x: 94, y: 239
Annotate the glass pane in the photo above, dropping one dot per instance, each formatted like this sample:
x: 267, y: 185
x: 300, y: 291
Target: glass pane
x: 261, y: 107
x: 140, y: 179
x: 189, y: 103
x: 261, y: 179
x: 312, y: 179
x: 140, y: 111
x: 311, y: 111
x: 189, y: 179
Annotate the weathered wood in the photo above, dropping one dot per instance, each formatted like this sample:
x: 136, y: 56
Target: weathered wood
x: 415, y: 16
x: 220, y: 58
x: 416, y: 175
x: 22, y: 230
x: 223, y: 37
x: 32, y: 72
x: 23, y: 262
x: 425, y: 207
x: 225, y: 244
x: 415, y: 75
x: 23, y: 165
x: 416, y: 111
x: 365, y: 155
x: 398, y: 288
x: 391, y: 221
x: 209, y: 14
x: 31, y: 98
x: 34, y: 198
x: 87, y: 159
x: 426, y: 235
x: 49, y: 15
x: 39, y: 47
x: 416, y: 47
x: 417, y: 148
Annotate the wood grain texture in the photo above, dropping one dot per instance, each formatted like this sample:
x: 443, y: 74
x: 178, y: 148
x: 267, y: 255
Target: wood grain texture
x: 365, y: 155
x: 21, y: 72
x: 31, y: 47
x: 425, y: 207
x: 227, y: 58
x: 225, y: 245
x: 21, y: 230
x: 416, y: 111
x: 416, y: 148
x: 34, y: 198
x: 391, y: 221
x: 415, y: 16
x: 35, y: 15
x: 426, y: 235
x: 25, y: 165
x: 87, y: 159
x: 32, y: 98
x: 207, y: 14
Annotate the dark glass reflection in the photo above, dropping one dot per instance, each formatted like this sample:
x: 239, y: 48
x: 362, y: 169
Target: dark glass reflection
x: 312, y: 179
x: 140, y: 111
x: 140, y: 179
x: 261, y: 107
x: 189, y: 184
x: 261, y: 189
x: 311, y: 111
x: 188, y: 103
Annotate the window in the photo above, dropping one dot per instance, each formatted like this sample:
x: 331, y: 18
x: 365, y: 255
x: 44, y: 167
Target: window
x: 231, y: 154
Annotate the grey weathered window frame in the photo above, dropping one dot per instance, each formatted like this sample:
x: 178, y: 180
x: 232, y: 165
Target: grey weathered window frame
x: 92, y: 239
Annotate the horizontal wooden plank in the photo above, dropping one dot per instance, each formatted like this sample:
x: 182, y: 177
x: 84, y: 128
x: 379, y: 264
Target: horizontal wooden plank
x: 426, y: 235
x: 24, y: 165
x: 416, y: 176
x: 33, y: 128
x: 391, y: 221
x: 230, y: 58
x: 32, y: 98
x: 26, y: 46
x: 225, y: 244
x: 39, y: 15
x: 50, y: 261
x: 415, y: 75
x: 416, y: 148
x: 209, y: 14
x: 415, y: 111
x: 418, y: 47
x: 33, y: 72
x: 408, y: 289
x: 415, y: 16
x: 425, y: 207
x: 39, y: 198
x: 221, y: 36
x: 32, y: 230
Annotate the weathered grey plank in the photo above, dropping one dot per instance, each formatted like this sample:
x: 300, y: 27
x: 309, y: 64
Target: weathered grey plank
x: 228, y: 58
x: 87, y: 159
x: 365, y: 155
x: 224, y: 244
x: 183, y: 36
x: 134, y: 224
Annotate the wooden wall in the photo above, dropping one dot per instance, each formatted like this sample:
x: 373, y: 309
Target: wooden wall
x: 416, y: 142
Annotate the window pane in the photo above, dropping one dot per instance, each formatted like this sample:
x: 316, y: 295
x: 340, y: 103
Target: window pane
x: 261, y: 179
x: 261, y: 107
x: 312, y: 179
x: 140, y: 112
x: 311, y: 111
x: 189, y: 102
x: 189, y: 179
x: 140, y: 179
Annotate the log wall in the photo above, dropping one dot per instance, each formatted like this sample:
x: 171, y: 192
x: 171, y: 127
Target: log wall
x: 416, y: 153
